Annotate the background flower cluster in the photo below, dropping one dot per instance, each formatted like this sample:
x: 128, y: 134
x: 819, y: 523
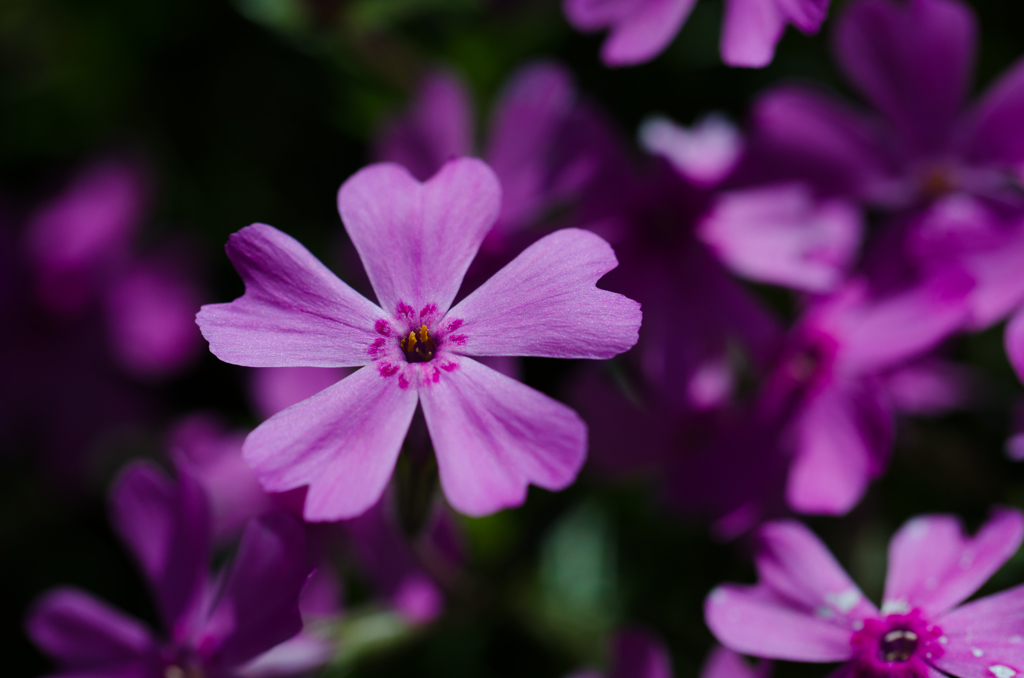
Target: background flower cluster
x: 819, y: 207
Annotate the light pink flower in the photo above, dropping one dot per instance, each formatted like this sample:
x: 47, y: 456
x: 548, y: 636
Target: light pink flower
x: 806, y: 608
x: 640, y: 30
x: 493, y: 436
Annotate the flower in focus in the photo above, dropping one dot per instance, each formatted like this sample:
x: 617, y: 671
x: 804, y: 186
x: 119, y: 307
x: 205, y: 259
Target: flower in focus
x: 214, y: 626
x: 805, y: 607
x: 492, y: 435
x: 640, y: 30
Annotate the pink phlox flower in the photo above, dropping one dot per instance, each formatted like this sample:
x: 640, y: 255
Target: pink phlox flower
x: 492, y: 435
x: 828, y: 384
x: 213, y: 625
x: 640, y: 30
x: 75, y: 241
x: 946, y: 172
x: 543, y: 142
x: 805, y: 608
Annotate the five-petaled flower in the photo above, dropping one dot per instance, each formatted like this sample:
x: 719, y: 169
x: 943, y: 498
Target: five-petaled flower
x: 805, y: 608
x: 492, y: 435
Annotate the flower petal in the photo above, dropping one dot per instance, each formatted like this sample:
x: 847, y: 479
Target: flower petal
x: 493, y: 436
x: 780, y: 235
x: 343, y: 442
x: 704, y: 154
x: 638, y: 654
x: 752, y: 620
x: 984, y: 637
x: 750, y: 31
x: 802, y: 133
x: 996, y: 131
x: 82, y: 632
x: 260, y: 604
x: 294, y: 312
x: 878, y: 333
x: 525, y: 130
x: 912, y: 61
x: 843, y: 436
x: 724, y: 663
x: 166, y: 526
x: 793, y: 563
x: 934, y: 566
x: 1013, y: 339
x: 546, y: 303
x: 437, y: 127
x: 416, y: 240
x: 931, y: 386
x: 645, y: 31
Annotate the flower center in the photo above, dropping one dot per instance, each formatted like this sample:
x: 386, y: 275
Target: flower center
x: 419, y: 346
x: 897, y: 645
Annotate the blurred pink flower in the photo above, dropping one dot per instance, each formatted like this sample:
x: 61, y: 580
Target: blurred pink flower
x: 640, y: 30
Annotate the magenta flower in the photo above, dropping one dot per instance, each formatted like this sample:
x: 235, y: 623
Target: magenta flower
x: 542, y: 142
x: 640, y: 30
x: 805, y: 607
x: 492, y: 435
x: 947, y: 173
x: 75, y: 240
x: 828, y: 385
x: 214, y: 625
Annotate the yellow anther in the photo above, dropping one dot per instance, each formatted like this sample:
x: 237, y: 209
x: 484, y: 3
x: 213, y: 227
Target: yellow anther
x: 410, y: 342
x: 424, y: 334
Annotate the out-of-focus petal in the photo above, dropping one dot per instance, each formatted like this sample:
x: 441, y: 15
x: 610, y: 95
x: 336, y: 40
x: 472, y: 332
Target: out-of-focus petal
x: 636, y: 653
x: 750, y: 31
x: 752, y: 620
x: 996, y: 135
x: 151, y: 314
x: 704, y: 154
x: 294, y: 312
x: 416, y: 240
x: 933, y: 566
x: 437, y: 128
x: 272, y: 389
x: 546, y: 303
x: 525, y: 128
x: 166, y: 526
x: 878, y: 333
x: 805, y: 134
x: 984, y: 637
x: 843, y: 439
x: 82, y: 632
x: 296, y: 656
x: 912, y: 60
x: 781, y: 235
x: 213, y: 455
x: 259, y: 607
x: 806, y: 15
x: 493, y: 436
x: 343, y: 442
x: 931, y: 386
x: 73, y: 239
x: 724, y: 663
x: 645, y: 31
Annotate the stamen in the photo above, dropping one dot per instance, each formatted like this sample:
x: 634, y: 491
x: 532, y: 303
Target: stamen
x: 418, y: 350
x: 898, y: 645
